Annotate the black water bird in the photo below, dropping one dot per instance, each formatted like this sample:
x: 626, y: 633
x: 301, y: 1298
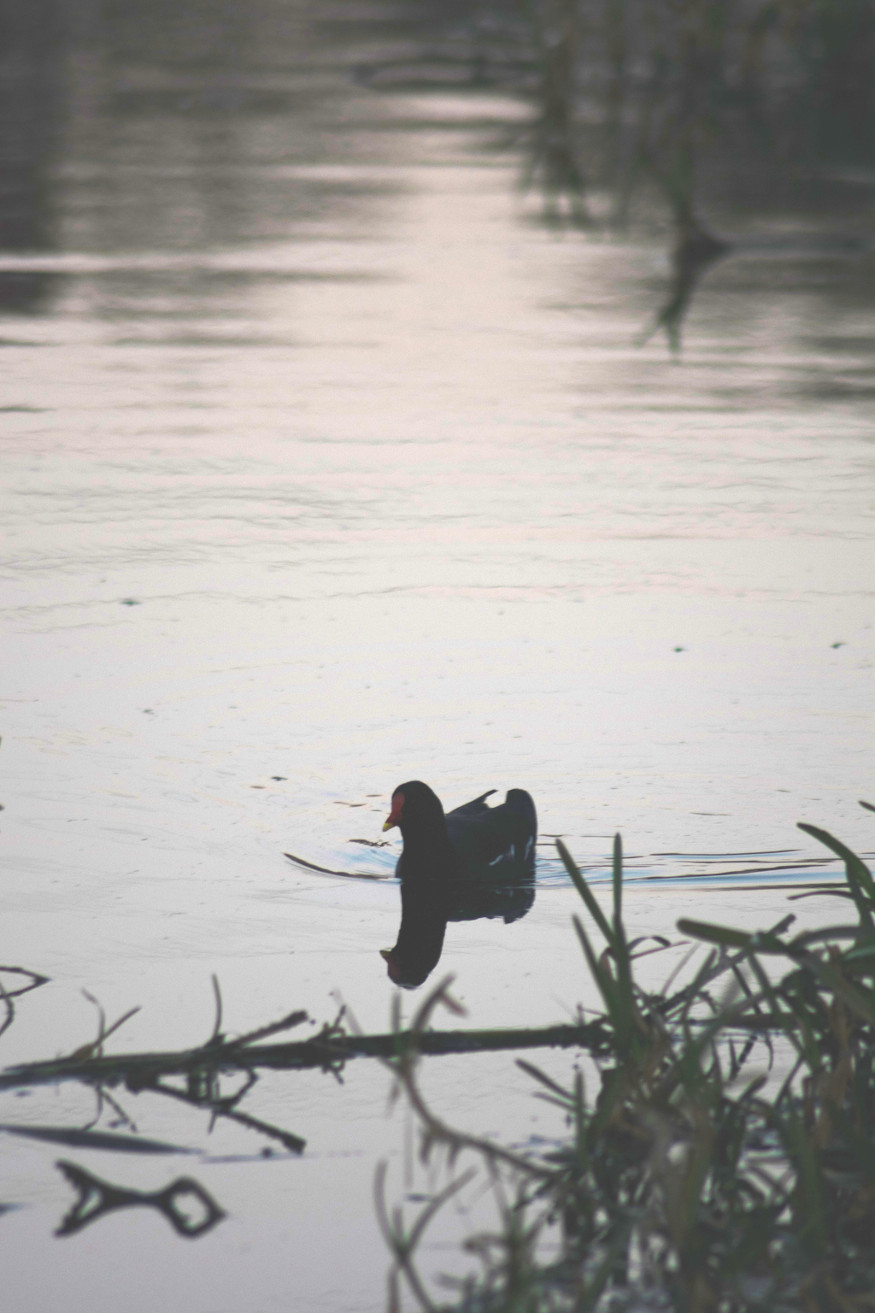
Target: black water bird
x: 475, y: 861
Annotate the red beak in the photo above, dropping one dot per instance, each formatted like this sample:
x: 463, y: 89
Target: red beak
x: 394, y: 817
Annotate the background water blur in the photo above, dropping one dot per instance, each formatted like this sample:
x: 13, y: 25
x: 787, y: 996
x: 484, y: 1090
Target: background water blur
x: 327, y: 464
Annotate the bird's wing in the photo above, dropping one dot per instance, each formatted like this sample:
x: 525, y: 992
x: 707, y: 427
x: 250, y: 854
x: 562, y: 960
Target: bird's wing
x: 501, y: 838
x: 475, y: 807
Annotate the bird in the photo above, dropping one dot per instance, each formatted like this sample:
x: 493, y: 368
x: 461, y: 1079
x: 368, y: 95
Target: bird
x: 474, y: 861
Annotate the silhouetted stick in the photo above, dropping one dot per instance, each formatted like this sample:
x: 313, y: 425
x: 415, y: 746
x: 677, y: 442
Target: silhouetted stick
x: 34, y: 978
x: 326, y: 1050
x: 96, y: 1198
x: 347, y: 875
x: 225, y: 1108
x: 7, y: 995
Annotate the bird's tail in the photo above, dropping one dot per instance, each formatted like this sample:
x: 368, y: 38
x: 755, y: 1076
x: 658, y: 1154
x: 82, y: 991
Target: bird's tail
x: 523, y: 804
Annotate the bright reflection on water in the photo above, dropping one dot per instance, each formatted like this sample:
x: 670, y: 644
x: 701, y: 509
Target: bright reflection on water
x: 326, y: 467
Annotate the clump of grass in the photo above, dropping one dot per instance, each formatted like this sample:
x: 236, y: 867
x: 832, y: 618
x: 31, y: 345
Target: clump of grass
x: 696, y: 1176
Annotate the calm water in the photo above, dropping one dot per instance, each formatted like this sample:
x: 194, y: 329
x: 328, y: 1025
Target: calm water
x: 326, y: 466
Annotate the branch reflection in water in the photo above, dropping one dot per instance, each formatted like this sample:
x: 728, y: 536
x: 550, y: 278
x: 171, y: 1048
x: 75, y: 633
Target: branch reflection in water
x: 189, y: 1209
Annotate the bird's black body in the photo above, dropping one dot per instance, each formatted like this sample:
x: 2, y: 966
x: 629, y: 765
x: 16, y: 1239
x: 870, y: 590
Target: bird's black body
x: 475, y: 861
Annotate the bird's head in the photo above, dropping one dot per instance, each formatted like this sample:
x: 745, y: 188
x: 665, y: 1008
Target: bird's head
x: 404, y: 979
x: 411, y: 803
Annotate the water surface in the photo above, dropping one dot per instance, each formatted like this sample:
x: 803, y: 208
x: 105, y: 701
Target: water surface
x: 326, y: 466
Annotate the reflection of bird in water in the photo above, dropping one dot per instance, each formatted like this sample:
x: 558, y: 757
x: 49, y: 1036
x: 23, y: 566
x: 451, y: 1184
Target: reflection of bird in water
x: 475, y: 861
x: 695, y: 250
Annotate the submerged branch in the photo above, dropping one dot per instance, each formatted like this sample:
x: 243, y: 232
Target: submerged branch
x: 326, y: 1051
x: 187, y: 1206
